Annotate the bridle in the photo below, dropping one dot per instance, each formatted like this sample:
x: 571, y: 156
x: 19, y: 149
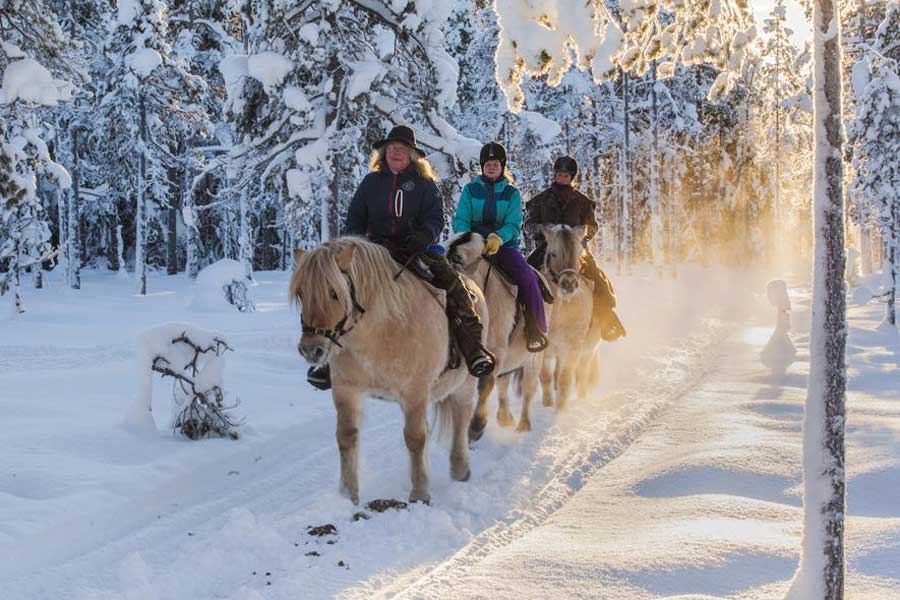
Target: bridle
x: 340, y: 330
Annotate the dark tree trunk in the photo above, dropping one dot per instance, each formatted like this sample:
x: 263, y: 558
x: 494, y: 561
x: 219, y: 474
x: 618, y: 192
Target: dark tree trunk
x: 74, y: 235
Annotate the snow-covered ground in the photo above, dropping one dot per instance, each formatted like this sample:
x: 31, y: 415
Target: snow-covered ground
x: 678, y: 476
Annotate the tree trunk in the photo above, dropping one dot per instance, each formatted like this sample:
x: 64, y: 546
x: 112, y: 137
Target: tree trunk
x: 17, y: 283
x: 625, y: 224
x: 821, y: 573
x: 74, y: 234
x: 893, y: 257
x: 245, y: 248
x: 655, y: 218
x: 172, y: 215
x: 140, y: 261
x: 192, y: 224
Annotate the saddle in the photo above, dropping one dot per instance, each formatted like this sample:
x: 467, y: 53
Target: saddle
x: 519, y: 315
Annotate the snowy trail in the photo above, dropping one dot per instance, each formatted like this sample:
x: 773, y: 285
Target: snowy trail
x: 199, y: 519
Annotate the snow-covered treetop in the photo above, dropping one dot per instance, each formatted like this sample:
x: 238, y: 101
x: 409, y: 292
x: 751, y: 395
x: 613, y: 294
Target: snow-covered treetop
x: 547, y: 37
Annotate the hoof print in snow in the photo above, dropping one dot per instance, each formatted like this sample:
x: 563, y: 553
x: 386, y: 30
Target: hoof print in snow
x: 322, y: 530
x: 381, y: 505
x: 343, y: 564
x: 361, y: 516
x: 312, y: 553
x: 329, y: 542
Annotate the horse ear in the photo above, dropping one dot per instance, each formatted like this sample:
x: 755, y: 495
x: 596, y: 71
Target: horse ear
x: 548, y: 231
x: 581, y: 232
x: 345, y: 257
x: 298, y: 254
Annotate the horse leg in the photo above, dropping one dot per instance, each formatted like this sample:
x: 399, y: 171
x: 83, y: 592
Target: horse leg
x: 566, y: 373
x: 479, y: 419
x: 504, y: 417
x: 347, y: 405
x: 547, y: 380
x: 461, y: 405
x: 415, y: 433
x: 529, y: 384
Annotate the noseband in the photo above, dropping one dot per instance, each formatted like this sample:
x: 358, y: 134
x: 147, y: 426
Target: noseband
x: 339, y: 331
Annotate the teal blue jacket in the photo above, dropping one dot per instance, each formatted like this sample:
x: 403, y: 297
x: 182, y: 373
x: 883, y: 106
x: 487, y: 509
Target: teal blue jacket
x: 486, y: 209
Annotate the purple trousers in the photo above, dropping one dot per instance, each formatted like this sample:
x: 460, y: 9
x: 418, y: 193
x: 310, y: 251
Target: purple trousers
x: 513, y: 262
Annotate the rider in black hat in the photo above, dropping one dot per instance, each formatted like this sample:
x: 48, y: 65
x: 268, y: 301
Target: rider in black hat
x: 399, y: 206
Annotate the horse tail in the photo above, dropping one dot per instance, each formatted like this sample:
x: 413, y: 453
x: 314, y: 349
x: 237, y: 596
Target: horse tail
x: 443, y: 418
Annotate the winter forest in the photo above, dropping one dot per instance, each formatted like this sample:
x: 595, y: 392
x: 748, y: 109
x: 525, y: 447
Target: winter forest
x: 743, y: 161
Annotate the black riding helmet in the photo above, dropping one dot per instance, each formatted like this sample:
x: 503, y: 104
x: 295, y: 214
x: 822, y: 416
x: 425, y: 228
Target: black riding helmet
x: 566, y: 164
x: 493, y: 151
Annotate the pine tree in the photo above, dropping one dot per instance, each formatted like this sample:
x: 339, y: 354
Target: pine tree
x: 875, y: 134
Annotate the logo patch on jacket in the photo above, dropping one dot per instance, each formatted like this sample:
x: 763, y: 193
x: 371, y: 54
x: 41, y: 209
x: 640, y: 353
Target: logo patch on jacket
x: 408, y: 186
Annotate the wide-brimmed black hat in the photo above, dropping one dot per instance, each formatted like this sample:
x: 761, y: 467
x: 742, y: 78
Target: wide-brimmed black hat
x: 403, y: 134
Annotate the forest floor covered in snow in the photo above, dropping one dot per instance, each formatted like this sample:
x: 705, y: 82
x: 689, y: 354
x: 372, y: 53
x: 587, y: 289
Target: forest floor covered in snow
x: 678, y: 477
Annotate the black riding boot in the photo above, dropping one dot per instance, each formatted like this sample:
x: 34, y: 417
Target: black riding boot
x: 320, y: 377
x: 467, y: 329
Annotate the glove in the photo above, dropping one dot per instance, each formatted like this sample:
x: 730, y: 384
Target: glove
x: 492, y: 244
x: 418, y: 241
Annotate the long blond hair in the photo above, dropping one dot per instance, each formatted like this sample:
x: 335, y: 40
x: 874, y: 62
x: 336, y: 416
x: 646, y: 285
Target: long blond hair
x: 423, y: 168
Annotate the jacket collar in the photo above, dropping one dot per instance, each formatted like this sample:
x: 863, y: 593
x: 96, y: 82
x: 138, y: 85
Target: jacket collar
x: 499, y: 185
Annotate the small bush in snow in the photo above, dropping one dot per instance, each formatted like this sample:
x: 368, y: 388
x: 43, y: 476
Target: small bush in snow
x: 222, y: 285
x: 195, y: 360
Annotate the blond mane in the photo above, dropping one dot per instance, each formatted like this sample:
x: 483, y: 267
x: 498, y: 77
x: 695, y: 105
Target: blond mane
x: 372, y: 271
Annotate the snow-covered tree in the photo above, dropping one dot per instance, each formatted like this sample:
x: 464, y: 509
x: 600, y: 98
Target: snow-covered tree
x: 34, y: 76
x: 875, y: 134
x: 146, y: 101
x: 821, y: 572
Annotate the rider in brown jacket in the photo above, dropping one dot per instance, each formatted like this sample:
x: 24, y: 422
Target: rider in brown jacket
x: 561, y: 204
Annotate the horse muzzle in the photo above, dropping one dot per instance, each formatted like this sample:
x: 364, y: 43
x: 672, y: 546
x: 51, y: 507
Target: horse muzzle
x: 569, y: 284
x: 313, y: 353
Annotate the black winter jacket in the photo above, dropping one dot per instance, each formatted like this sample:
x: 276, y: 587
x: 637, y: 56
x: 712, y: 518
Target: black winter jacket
x: 396, y: 208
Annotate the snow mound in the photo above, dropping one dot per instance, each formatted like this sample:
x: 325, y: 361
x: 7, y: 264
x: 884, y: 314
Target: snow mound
x: 142, y: 61
x: 211, y: 291
x: 269, y: 68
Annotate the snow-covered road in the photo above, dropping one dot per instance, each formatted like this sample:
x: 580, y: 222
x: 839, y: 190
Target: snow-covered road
x: 669, y: 480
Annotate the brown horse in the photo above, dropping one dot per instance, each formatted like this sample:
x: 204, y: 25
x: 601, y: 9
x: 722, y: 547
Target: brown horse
x: 386, y: 337
x: 505, y: 337
x: 570, y: 351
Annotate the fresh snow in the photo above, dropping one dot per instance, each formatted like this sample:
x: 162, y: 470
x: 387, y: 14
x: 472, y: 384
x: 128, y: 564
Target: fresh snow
x: 269, y: 68
x: 143, y: 61
x: 678, y: 476
x: 27, y: 80
x: 209, y: 292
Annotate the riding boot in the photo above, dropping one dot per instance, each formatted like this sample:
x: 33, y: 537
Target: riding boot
x: 604, y: 321
x: 320, y: 377
x: 535, y: 339
x: 467, y: 329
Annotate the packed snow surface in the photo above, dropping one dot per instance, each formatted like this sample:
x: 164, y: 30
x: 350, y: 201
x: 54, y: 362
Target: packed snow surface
x: 679, y: 476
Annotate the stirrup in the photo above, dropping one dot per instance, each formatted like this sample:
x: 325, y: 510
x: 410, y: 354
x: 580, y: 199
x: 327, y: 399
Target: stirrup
x: 481, y: 366
x: 536, y: 343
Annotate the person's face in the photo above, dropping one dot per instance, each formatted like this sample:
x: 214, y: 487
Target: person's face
x: 492, y: 169
x: 398, y: 156
x: 562, y: 178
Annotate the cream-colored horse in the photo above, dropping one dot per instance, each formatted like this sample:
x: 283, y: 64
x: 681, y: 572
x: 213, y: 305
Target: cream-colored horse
x: 505, y: 336
x: 386, y: 338
x: 570, y: 348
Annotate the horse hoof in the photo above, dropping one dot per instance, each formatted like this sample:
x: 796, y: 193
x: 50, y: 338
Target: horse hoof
x: 505, y: 419
x: 548, y: 402
x: 420, y: 499
x: 351, y: 496
x: 476, y: 429
x: 466, y: 476
x: 524, y: 427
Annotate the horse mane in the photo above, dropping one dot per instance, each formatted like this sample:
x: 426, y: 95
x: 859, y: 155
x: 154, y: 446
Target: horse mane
x: 372, y: 271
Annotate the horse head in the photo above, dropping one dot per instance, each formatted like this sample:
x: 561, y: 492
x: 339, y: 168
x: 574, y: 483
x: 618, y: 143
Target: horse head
x: 322, y: 286
x: 563, y: 259
x: 464, y: 252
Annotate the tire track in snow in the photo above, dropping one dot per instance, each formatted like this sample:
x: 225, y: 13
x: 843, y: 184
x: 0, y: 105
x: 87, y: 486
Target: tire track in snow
x: 640, y: 409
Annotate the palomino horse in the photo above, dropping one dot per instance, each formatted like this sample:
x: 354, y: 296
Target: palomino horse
x: 570, y: 348
x: 385, y: 337
x: 505, y: 337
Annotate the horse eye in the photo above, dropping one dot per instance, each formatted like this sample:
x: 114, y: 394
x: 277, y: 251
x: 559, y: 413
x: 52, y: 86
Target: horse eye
x: 334, y: 295
x: 553, y: 255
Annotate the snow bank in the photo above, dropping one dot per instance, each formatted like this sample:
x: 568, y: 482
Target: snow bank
x: 540, y: 125
x: 209, y: 289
